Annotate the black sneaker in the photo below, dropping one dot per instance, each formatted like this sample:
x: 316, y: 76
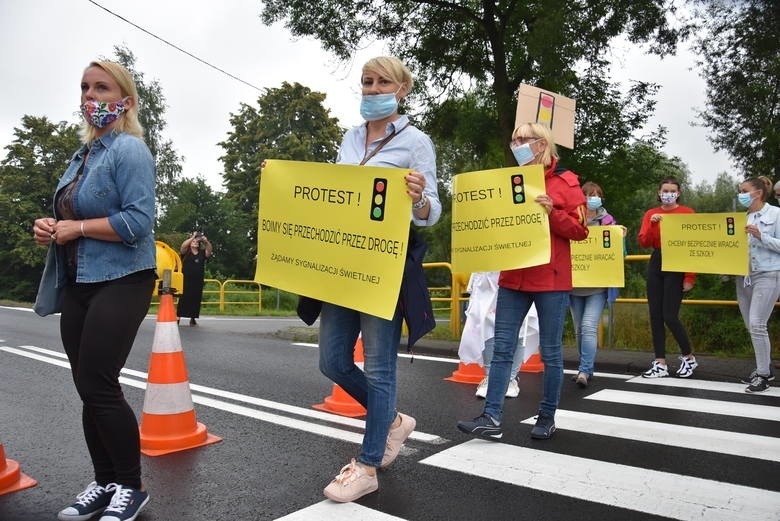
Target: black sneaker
x: 92, y: 501
x: 544, y: 428
x: 483, y: 426
x: 759, y: 384
x: 125, y: 505
x: 754, y: 373
x: 193, y: 322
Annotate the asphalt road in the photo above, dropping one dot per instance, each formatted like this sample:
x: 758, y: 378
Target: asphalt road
x: 625, y: 449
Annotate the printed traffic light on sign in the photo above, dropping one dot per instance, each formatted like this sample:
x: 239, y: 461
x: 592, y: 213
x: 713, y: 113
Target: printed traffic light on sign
x: 378, y: 198
x: 729, y: 226
x: 605, y: 238
x: 518, y: 188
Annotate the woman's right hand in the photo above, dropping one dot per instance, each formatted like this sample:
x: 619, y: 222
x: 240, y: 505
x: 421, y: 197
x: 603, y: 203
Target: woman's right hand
x: 656, y: 218
x: 44, y: 231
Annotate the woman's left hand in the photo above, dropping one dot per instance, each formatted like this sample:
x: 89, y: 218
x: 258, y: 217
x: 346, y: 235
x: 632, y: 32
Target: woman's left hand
x: 415, y: 184
x: 753, y: 230
x: 546, y: 202
x: 66, y: 231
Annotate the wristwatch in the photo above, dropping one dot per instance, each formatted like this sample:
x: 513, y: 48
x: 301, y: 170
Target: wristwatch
x: 421, y: 203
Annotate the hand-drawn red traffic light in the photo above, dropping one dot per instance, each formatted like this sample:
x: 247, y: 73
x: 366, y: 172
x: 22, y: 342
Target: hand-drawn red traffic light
x: 518, y: 188
x: 378, y: 199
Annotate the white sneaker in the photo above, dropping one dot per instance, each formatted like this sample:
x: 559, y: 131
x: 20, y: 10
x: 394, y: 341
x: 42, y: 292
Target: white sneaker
x: 482, y: 388
x: 657, y: 370
x: 513, y: 390
x: 687, y: 365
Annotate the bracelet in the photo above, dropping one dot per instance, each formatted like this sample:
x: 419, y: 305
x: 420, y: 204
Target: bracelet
x: 82, y: 229
x: 421, y: 203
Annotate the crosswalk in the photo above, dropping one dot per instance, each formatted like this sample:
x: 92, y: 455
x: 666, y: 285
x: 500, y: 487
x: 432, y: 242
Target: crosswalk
x: 678, y: 494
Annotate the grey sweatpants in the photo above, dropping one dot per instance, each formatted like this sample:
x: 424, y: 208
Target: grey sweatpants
x: 756, y: 303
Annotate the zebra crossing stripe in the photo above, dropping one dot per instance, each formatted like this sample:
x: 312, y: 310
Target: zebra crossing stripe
x: 329, y: 510
x: 666, y: 401
x: 659, y: 493
x: 688, y: 383
x: 711, y: 440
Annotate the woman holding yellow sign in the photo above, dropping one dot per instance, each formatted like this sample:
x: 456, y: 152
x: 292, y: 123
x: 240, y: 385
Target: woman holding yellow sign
x: 547, y: 286
x: 386, y: 139
x: 665, y: 288
x: 758, y: 292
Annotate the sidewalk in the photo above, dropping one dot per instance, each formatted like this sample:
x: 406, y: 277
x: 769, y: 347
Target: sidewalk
x: 607, y: 360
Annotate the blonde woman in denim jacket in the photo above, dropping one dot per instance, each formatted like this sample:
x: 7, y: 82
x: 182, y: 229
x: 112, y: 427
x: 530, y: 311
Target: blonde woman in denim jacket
x: 102, y: 233
x: 758, y: 292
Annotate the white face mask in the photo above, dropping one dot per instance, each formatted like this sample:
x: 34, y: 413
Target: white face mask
x: 668, y: 197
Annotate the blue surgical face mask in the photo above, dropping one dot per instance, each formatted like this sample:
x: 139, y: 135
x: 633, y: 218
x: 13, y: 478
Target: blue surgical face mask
x: 374, y: 107
x: 523, y: 153
x: 594, y: 202
x: 744, y: 199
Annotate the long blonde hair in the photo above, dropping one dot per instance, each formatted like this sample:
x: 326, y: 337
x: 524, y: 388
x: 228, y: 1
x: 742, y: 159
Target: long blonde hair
x: 539, y: 131
x: 128, y: 122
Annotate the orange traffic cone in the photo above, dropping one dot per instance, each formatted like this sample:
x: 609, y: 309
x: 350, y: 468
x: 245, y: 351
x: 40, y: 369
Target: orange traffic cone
x: 534, y: 364
x: 339, y: 401
x: 11, y: 477
x: 168, y: 423
x: 467, y: 374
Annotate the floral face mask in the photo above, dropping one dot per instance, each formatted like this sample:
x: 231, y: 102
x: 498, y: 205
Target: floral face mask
x: 100, y: 114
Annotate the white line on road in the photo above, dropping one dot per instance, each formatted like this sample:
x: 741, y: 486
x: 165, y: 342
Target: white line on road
x: 682, y: 403
x: 711, y: 440
x: 707, y: 385
x: 329, y: 510
x: 644, y: 490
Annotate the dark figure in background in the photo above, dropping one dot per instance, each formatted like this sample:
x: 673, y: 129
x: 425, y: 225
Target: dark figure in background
x: 194, y: 252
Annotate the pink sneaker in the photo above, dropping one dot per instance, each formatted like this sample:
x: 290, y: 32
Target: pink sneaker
x: 396, y: 438
x: 353, y: 482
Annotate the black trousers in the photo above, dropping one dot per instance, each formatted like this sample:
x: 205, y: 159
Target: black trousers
x: 98, y: 325
x: 664, y: 297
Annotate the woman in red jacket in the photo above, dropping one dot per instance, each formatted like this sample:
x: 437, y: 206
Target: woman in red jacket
x: 548, y: 286
x: 665, y: 288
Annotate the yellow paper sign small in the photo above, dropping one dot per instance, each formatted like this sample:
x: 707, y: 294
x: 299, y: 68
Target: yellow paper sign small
x: 705, y: 243
x: 337, y: 233
x: 597, y: 262
x: 496, y: 224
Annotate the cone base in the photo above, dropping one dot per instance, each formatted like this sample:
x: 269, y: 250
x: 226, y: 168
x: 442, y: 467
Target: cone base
x: 534, y: 364
x: 467, y: 374
x: 166, y: 445
x: 341, y: 408
x: 12, y: 479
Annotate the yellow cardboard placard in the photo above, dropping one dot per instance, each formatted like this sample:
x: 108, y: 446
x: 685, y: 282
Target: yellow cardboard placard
x: 705, y: 243
x: 597, y: 262
x: 337, y: 233
x: 496, y: 224
x: 535, y: 105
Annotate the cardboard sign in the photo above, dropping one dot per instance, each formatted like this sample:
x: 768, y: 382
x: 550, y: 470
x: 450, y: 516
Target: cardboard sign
x: 705, y: 243
x: 597, y: 262
x: 535, y: 105
x: 337, y: 233
x: 496, y: 224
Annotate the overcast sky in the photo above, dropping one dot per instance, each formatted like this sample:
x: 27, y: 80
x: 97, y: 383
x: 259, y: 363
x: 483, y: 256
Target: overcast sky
x: 45, y: 45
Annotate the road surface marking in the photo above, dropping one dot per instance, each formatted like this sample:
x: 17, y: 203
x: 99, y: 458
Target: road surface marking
x: 688, y: 383
x: 330, y: 510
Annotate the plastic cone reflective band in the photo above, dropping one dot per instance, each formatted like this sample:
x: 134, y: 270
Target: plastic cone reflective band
x: 168, y: 423
x: 467, y: 374
x: 339, y: 401
x: 11, y: 477
x: 533, y: 364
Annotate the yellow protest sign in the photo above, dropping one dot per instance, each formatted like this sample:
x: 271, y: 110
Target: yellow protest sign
x: 496, y: 224
x: 337, y: 233
x: 597, y: 262
x: 705, y: 243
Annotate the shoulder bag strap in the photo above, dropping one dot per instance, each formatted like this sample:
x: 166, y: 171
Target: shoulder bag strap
x: 382, y: 143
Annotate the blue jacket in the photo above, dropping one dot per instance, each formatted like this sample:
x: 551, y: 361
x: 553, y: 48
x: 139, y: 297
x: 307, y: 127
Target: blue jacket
x: 119, y: 183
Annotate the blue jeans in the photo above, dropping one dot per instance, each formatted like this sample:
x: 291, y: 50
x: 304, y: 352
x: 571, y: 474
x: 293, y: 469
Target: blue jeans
x: 375, y: 386
x: 586, y: 313
x: 487, y: 358
x: 511, y: 308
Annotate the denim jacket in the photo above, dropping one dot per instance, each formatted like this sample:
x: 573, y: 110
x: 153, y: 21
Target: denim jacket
x: 765, y: 252
x: 118, y: 182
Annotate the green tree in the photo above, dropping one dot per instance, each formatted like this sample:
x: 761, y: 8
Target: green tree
x: 35, y: 160
x: 290, y: 123
x: 556, y: 45
x: 739, y: 44
x: 152, y: 118
x: 195, y: 206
